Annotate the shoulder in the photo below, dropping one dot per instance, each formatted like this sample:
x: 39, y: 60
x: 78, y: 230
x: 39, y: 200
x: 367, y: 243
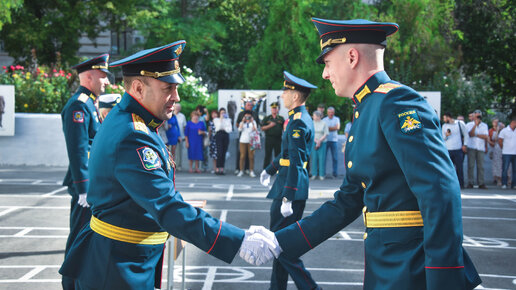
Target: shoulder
x: 138, y: 124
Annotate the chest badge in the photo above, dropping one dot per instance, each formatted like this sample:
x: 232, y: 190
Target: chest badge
x: 296, y: 134
x: 409, y: 121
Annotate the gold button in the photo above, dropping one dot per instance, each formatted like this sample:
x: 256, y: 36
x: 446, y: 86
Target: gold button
x: 350, y: 139
x: 356, y: 115
x: 350, y: 164
x: 365, y: 236
x: 363, y: 185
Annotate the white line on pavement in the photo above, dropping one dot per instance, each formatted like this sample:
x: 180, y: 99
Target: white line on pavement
x: 31, y: 274
x: 345, y: 235
x: 223, y: 215
x: 23, y: 232
x: 55, y: 191
x: 10, y: 209
x: 230, y: 192
x: 210, y: 277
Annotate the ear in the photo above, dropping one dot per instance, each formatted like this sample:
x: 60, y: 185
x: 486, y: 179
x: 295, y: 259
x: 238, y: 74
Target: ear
x: 137, y: 88
x: 353, y: 57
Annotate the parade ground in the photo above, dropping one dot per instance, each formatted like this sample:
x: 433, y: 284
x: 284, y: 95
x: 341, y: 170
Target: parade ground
x: 34, y: 210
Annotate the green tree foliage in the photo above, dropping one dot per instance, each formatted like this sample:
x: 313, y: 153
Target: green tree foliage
x: 487, y: 45
x: 5, y: 10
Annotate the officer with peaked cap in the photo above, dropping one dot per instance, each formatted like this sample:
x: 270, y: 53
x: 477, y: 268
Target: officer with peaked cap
x: 106, y: 104
x: 272, y: 125
x: 80, y: 119
x: 399, y: 174
x: 132, y: 189
x: 290, y: 189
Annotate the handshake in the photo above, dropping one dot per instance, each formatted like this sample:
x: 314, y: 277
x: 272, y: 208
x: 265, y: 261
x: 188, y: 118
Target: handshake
x: 259, y: 246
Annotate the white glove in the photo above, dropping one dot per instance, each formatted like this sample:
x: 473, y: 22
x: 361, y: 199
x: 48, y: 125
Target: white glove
x: 276, y: 250
x: 286, y: 207
x: 82, y: 200
x: 265, y: 178
x: 255, y: 249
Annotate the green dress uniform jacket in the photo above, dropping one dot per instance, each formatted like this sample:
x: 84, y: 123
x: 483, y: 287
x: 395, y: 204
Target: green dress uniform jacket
x: 296, y: 144
x: 133, y: 187
x: 396, y: 160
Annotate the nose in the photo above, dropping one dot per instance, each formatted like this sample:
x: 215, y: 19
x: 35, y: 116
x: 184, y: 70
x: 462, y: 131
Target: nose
x: 325, y: 74
x: 175, y: 95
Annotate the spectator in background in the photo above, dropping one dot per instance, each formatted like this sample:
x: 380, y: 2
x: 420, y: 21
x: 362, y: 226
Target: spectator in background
x: 477, y: 147
x: 162, y: 131
x: 321, y: 107
x: 213, y: 142
x: 318, y: 157
x: 272, y: 125
x: 333, y: 123
x: 248, y: 106
x: 247, y: 125
x: 173, y: 134
x: 194, y: 133
x: 455, y: 136
x: 222, y: 128
x: 460, y: 118
x: 181, y: 122
x: 205, y: 118
x: 507, y: 141
x: 496, y: 151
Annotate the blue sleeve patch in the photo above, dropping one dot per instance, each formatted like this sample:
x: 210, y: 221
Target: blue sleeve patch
x: 409, y: 121
x: 150, y: 159
x: 78, y: 116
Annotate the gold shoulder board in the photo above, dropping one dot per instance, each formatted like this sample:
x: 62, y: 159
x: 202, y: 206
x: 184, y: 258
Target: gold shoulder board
x: 139, y: 125
x: 385, y: 88
x: 83, y: 98
x: 297, y: 115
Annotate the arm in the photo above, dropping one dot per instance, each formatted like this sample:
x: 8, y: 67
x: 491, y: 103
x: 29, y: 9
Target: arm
x: 429, y: 173
x: 76, y: 121
x: 166, y: 206
x: 299, y: 138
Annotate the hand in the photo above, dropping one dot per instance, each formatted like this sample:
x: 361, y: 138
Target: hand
x: 286, y: 207
x: 187, y: 144
x: 265, y: 178
x: 82, y: 200
x: 276, y: 251
x: 256, y: 249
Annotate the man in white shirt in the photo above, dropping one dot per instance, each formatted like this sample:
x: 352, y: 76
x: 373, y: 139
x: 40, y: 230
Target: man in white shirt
x: 507, y: 141
x: 455, y: 137
x: 181, y: 122
x: 477, y: 147
x: 333, y: 123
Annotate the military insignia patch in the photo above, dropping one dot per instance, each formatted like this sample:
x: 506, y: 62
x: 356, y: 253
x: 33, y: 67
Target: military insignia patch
x: 139, y: 125
x: 150, y: 159
x: 78, y: 116
x: 409, y: 121
x: 296, y: 134
x: 297, y: 115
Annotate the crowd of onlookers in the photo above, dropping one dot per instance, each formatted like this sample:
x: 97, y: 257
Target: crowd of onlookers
x: 205, y: 135
x: 474, y: 140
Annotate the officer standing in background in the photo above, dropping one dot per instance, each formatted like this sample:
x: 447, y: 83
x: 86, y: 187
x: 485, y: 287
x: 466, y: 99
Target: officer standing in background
x: 132, y: 189
x: 290, y: 189
x: 398, y: 172
x: 106, y: 103
x: 272, y: 125
x: 80, y: 119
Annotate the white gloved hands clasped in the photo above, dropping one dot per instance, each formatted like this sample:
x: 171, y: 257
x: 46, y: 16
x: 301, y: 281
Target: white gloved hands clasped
x: 82, y: 200
x: 258, y: 246
x: 286, y: 207
x: 265, y: 178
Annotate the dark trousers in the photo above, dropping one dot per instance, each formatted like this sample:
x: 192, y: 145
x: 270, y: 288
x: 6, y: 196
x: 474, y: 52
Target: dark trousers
x: 271, y: 143
x: 79, y: 216
x: 284, y: 266
x: 506, y: 160
x: 457, y: 158
x: 222, y: 141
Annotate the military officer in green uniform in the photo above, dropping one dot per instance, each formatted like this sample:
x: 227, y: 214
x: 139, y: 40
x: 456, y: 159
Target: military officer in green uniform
x: 290, y: 189
x: 132, y: 194
x: 80, y: 119
x: 398, y: 172
x: 272, y: 125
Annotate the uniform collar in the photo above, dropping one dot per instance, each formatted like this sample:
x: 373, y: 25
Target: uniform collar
x: 130, y: 104
x: 84, y: 90
x: 301, y: 108
x: 370, y: 85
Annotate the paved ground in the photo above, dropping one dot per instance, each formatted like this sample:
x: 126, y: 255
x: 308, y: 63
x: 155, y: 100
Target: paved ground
x: 34, y: 212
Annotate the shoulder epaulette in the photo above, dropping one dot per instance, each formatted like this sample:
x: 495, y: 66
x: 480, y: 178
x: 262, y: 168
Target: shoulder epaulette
x: 139, y: 124
x: 297, y: 115
x: 385, y: 88
x: 83, y: 97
